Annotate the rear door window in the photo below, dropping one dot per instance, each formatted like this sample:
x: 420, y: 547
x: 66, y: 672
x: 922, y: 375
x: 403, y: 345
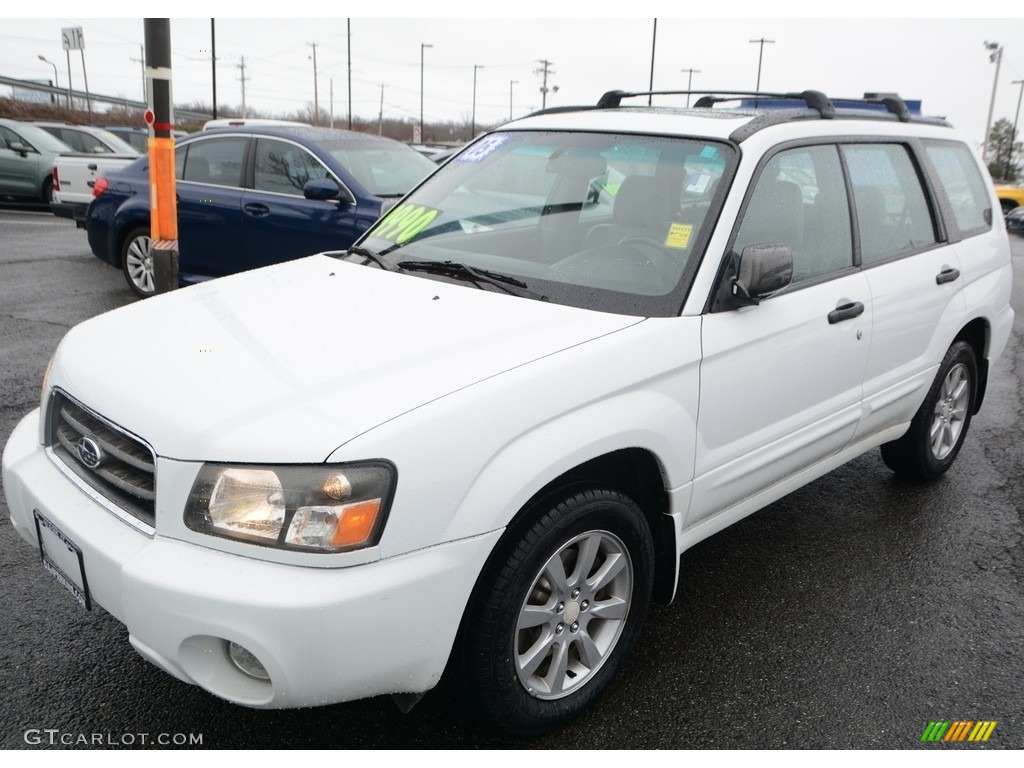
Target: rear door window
x: 215, y: 161
x: 893, y: 215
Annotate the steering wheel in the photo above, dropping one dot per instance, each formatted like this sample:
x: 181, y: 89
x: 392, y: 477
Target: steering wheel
x: 653, y: 250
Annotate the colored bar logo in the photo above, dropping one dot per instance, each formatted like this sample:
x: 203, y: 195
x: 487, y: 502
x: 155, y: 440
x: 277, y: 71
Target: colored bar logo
x: 958, y: 730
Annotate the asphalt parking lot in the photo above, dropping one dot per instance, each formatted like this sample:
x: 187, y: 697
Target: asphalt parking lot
x: 848, y: 615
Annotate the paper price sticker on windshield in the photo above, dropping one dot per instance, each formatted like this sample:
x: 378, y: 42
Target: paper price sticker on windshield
x: 679, y: 236
x: 483, y: 148
x: 404, y: 223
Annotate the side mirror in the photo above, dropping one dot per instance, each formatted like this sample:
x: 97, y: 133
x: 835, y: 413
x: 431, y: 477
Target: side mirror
x: 326, y: 189
x: 20, y: 148
x: 763, y: 269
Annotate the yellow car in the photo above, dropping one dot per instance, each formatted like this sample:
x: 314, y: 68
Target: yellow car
x: 1009, y: 196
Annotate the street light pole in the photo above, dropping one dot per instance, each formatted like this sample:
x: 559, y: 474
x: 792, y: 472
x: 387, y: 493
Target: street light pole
x: 761, y: 41
x: 472, y: 122
x: 423, y: 46
x: 510, y: 84
x: 996, y: 56
x: 1013, y: 136
x: 55, y: 83
x: 689, y: 83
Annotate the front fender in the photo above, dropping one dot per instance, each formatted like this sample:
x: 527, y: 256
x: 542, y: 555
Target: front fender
x: 469, y: 461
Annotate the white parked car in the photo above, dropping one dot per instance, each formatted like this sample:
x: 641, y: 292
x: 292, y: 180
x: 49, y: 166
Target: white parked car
x: 477, y: 443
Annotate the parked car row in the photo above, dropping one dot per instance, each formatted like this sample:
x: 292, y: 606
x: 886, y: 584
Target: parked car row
x: 253, y: 195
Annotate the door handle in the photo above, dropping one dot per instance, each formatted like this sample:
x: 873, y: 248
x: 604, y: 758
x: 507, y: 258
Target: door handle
x: 845, y: 311
x: 257, y: 209
x: 947, y: 275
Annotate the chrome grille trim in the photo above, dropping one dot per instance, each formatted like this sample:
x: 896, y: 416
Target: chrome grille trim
x: 125, y: 480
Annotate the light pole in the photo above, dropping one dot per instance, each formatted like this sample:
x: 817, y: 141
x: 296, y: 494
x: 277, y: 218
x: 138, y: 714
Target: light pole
x: 689, y: 83
x: 510, y: 84
x: 995, y: 56
x: 760, y: 55
x: 55, y: 83
x: 472, y: 121
x: 1013, y: 136
x: 423, y: 47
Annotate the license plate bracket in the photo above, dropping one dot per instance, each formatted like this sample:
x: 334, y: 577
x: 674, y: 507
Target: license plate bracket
x: 63, y: 559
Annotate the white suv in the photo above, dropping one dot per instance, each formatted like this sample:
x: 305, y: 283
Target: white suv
x: 477, y: 442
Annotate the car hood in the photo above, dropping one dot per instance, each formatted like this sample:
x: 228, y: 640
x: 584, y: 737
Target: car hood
x: 285, y: 364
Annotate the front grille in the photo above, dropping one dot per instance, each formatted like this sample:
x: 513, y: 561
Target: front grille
x: 117, y: 465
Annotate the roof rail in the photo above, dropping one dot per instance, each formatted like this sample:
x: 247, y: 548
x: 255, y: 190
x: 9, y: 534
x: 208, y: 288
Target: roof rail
x: 815, y: 100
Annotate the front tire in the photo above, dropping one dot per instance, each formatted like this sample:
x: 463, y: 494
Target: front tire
x: 939, y: 428
x: 137, y: 262
x: 556, y: 611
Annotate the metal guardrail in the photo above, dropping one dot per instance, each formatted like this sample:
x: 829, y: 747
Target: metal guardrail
x: 76, y: 95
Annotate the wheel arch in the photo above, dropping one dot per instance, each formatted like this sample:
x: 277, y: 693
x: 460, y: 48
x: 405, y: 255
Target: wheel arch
x: 125, y: 222
x: 634, y: 472
x: 977, y: 333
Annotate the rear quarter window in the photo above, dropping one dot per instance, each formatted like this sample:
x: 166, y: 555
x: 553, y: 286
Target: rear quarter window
x: 966, y: 189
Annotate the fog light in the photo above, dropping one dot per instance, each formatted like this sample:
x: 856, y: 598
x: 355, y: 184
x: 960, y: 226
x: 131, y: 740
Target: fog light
x: 247, y: 662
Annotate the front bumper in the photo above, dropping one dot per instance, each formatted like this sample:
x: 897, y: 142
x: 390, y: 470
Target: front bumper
x: 324, y: 635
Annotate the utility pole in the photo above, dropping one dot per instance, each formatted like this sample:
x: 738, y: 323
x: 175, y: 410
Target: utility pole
x: 760, y: 55
x: 142, y: 64
x: 995, y: 56
x: 348, y: 37
x: 423, y: 47
x: 545, y: 70
x: 654, y: 40
x: 316, y: 94
x: 163, y: 254
x: 380, y: 117
x: 510, y: 84
x: 472, y: 122
x: 243, y: 78
x: 331, y: 111
x: 689, y: 83
x: 213, y: 64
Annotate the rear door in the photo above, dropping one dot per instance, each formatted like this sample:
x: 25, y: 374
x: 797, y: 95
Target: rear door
x: 209, y: 173
x: 914, y: 275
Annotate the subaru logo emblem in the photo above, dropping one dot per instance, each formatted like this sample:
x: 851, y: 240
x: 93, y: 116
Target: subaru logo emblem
x: 89, y: 452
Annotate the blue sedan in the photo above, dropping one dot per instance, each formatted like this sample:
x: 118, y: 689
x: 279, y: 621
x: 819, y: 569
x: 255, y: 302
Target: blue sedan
x: 253, y: 196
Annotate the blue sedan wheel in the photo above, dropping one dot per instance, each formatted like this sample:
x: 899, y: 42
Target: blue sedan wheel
x: 137, y: 262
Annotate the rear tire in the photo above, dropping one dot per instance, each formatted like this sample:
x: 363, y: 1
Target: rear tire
x: 940, y: 426
x: 556, y: 611
x: 137, y: 262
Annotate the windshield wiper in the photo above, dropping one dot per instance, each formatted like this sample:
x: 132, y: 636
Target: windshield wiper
x: 474, y: 275
x: 371, y: 255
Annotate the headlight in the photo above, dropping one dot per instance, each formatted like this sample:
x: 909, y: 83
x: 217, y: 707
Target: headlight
x: 44, y: 387
x: 328, y: 508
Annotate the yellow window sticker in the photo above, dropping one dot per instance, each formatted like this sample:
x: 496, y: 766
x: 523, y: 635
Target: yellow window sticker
x: 404, y: 223
x: 679, y: 236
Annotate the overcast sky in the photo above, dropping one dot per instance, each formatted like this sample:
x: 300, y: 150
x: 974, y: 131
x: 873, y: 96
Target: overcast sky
x: 941, y: 61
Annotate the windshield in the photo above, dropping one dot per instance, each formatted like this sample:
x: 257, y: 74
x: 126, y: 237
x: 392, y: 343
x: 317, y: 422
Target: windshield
x: 608, y: 222
x: 383, y: 169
